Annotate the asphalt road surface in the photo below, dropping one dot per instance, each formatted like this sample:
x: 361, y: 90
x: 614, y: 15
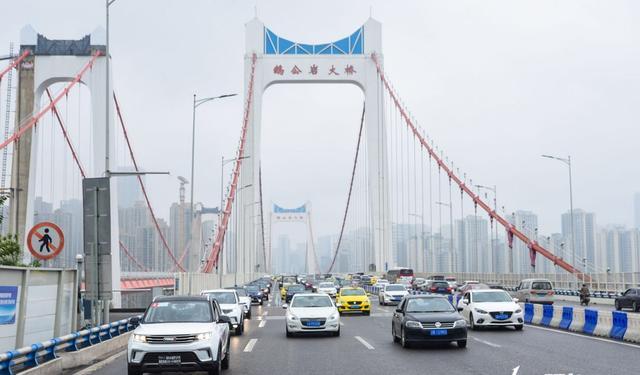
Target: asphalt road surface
x: 365, y: 347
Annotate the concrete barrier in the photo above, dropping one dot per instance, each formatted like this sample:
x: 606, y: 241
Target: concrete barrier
x: 620, y: 322
x: 577, y: 324
x: 528, y: 313
x: 633, y: 328
x: 537, y: 314
x: 567, y: 317
x: 590, y: 321
x: 604, y: 325
x: 556, y: 318
x: 547, y: 315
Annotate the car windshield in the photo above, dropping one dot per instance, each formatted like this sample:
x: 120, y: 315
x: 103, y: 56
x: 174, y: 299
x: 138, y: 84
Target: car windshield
x: 541, y: 285
x: 241, y: 292
x: 424, y: 305
x: 252, y: 289
x: 289, y: 280
x: 178, y: 312
x: 295, y: 288
x: 326, y: 285
x: 352, y: 292
x: 395, y: 288
x: 224, y: 298
x: 383, y: 281
x: 311, y: 301
x: 491, y: 297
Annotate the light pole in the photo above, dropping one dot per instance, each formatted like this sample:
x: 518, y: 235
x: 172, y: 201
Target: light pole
x: 493, y: 189
x: 567, y: 161
x: 451, y: 233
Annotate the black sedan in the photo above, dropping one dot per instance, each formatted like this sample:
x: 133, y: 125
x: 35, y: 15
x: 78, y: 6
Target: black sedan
x: 256, y: 294
x: 428, y: 318
x: 292, y: 290
x: 629, y: 299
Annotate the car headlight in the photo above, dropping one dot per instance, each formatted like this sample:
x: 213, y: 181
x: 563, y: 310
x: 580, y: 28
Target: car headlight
x: 139, y: 338
x: 480, y: 311
x: 388, y: 295
x: 292, y: 317
x: 203, y: 336
x: 518, y: 311
x: 412, y: 324
x: 333, y: 317
x: 460, y: 323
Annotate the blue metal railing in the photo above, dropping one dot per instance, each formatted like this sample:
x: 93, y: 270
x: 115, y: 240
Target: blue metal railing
x: 39, y: 353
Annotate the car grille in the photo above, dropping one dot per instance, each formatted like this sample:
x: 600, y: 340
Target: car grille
x: 185, y: 357
x: 305, y: 322
x: 506, y: 313
x: 354, y: 302
x: 433, y: 325
x: 180, y: 339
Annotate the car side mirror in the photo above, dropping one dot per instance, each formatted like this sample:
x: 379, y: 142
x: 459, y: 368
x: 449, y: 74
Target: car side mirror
x: 284, y: 305
x: 460, y: 308
x: 516, y: 300
x: 224, y: 319
x: 465, y: 301
x: 134, y: 320
x: 399, y: 311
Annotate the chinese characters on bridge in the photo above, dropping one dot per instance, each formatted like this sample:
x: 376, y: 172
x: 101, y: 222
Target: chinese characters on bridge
x: 314, y: 70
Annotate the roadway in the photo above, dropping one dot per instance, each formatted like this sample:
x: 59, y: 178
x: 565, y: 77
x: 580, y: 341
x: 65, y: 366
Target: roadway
x: 365, y: 347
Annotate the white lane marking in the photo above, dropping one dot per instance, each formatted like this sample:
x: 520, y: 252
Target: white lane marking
x: 97, y: 366
x: 265, y: 313
x: 342, y: 324
x: 585, y: 337
x: 363, y: 342
x: 262, y: 324
x: 515, y: 370
x: 250, y: 345
x: 486, y: 342
x: 269, y: 304
x: 277, y: 317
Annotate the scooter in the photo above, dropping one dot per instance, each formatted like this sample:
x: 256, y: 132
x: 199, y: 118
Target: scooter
x: 584, y: 300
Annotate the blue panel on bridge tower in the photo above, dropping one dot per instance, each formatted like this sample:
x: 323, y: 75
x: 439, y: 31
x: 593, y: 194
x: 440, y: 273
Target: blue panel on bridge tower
x: 351, y: 45
x: 281, y: 210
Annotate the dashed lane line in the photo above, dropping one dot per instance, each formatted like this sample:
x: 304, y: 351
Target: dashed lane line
x: 364, y: 342
x: 265, y: 313
x: 342, y: 324
x: 97, y: 366
x: 486, y: 342
x: 250, y: 345
x: 262, y: 324
x: 585, y: 336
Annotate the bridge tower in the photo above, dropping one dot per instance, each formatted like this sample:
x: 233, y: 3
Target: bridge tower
x: 347, y: 60
x: 50, y: 62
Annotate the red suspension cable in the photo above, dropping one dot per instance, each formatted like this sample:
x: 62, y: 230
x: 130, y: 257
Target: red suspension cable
x: 144, y: 190
x: 212, y: 260
x: 15, y: 63
x: 34, y: 120
x: 511, y: 230
x: 346, y: 210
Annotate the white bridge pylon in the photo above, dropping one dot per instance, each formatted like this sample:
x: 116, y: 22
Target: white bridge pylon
x: 347, y: 60
x: 302, y: 215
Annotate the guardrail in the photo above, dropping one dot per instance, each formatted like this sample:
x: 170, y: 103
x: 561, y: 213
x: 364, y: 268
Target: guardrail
x: 576, y: 293
x: 42, y: 352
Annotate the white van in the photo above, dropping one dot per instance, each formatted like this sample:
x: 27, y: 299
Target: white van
x: 535, y: 291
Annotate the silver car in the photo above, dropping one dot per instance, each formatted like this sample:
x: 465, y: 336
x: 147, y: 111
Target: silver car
x: 535, y: 291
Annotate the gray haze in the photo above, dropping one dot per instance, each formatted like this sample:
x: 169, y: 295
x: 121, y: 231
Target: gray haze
x: 495, y: 83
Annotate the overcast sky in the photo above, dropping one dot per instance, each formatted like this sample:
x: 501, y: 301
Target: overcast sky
x: 495, y: 83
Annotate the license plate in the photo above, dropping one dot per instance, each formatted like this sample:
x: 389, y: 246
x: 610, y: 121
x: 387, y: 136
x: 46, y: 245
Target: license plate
x: 438, y: 332
x: 313, y: 323
x: 169, y: 360
x: 502, y: 316
x: 354, y: 307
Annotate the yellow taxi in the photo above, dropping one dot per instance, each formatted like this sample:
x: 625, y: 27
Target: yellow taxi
x: 374, y: 280
x: 353, y: 300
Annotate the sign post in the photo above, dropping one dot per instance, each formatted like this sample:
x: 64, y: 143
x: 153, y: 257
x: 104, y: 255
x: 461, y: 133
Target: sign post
x: 97, y: 246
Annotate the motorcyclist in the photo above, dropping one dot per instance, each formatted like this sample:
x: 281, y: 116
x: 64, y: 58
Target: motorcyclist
x: 584, y: 294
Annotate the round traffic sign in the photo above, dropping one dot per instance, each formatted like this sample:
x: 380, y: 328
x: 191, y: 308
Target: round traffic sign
x: 45, y: 240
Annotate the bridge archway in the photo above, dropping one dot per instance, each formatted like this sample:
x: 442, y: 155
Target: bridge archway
x: 347, y: 60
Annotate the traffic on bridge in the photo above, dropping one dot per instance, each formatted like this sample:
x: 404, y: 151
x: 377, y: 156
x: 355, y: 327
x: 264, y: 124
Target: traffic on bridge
x: 299, y: 188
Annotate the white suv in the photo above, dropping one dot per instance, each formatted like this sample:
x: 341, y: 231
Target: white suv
x: 230, y: 303
x: 180, y: 334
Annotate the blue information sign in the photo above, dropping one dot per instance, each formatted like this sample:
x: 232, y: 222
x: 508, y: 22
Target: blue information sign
x: 8, y: 301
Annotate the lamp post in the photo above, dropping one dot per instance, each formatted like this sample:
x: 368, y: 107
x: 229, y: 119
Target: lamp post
x: 451, y: 233
x: 493, y: 189
x: 567, y: 162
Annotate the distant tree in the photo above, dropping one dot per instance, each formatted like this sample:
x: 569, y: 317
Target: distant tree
x: 10, y: 251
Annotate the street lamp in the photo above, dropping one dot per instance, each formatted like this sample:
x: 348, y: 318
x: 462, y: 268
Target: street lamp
x: 493, y: 189
x: 567, y: 161
x: 451, y: 233
x: 196, y: 104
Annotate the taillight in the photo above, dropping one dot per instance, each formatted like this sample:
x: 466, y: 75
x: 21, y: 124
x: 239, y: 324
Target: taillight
x: 433, y: 288
x: 550, y: 293
x: 449, y: 289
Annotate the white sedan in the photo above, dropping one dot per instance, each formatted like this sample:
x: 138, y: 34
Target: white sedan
x: 483, y: 308
x: 312, y: 313
x: 328, y: 288
x: 392, y: 294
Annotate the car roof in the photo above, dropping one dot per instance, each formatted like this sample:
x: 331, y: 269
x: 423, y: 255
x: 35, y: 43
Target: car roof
x: 218, y: 290
x: 352, y: 287
x: 414, y: 296
x: 180, y: 298
x: 311, y: 295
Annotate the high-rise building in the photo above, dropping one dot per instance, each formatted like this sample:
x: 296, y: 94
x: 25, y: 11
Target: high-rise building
x: 618, y: 249
x: 472, y: 245
x: 526, y: 222
x: 180, y: 230
x: 584, y: 226
x: 636, y: 209
x: 129, y: 191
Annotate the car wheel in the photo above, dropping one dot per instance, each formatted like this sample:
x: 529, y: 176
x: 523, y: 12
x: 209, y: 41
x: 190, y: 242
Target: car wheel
x: 367, y: 313
x: 472, y: 322
x: 403, y: 340
x: 239, y: 329
x: 393, y: 333
x: 261, y: 302
x: 337, y: 333
x: 462, y: 344
x: 248, y: 316
x: 133, y: 371
x: 289, y: 334
x: 227, y: 356
x: 618, y: 308
x: 635, y: 306
x: 217, y: 369
x: 519, y: 327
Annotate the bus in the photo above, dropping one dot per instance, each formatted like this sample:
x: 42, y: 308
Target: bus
x: 402, y: 275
